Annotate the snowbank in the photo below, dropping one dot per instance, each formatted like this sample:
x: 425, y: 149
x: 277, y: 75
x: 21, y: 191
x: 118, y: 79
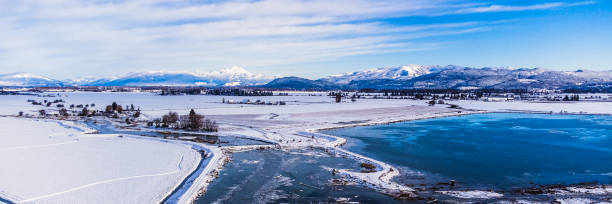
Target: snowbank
x: 475, y: 194
x: 45, y: 161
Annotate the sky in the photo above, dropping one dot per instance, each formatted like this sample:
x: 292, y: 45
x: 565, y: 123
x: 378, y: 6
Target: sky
x: 100, y: 38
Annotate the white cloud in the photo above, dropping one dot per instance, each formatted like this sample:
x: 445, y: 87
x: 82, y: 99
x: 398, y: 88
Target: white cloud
x: 509, y: 8
x: 73, y: 36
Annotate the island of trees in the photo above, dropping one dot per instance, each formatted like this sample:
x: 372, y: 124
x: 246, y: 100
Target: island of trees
x: 190, y: 122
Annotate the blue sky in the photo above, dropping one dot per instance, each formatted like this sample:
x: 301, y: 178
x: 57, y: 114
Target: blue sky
x: 75, y: 38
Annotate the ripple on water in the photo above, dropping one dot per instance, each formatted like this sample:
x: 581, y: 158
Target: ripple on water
x: 493, y: 150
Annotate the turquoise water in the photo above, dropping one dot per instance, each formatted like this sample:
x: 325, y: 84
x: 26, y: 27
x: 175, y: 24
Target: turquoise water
x: 499, y: 150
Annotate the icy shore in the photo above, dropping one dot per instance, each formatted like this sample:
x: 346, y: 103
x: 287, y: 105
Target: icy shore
x: 290, y: 126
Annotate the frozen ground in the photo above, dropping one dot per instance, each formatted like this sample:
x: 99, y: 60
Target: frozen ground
x: 585, y: 107
x: 50, y: 162
x: 291, y: 126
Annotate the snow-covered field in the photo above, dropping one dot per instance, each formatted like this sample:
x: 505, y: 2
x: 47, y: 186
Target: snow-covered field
x: 51, y: 162
x: 155, y: 105
x: 585, y: 107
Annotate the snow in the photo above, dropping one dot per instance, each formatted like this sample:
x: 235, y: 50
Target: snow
x: 556, y: 107
x: 575, y: 201
x: 474, y: 194
x: 26, y: 79
x: 402, y: 72
x: 227, y: 77
x: 294, y: 125
x: 55, y: 163
x: 233, y: 76
x: 593, y: 190
x: 527, y: 80
x: 599, y: 190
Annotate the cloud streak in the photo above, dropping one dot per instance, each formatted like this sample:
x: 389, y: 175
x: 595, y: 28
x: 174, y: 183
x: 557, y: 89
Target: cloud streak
x: 509, y: 8
x: 117, y: 36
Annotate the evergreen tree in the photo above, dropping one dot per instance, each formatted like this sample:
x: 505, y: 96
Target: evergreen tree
x: 194, y: 120
x: 84, y: 112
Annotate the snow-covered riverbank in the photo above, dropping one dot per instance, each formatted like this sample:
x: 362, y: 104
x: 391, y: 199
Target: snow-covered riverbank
x: 126, y: 158
x: 54, y: 162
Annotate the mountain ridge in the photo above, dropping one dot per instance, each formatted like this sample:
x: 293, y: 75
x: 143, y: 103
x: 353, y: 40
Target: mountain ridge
x: 457, y: 77
x: 410, y: 76
x: 234, y: 76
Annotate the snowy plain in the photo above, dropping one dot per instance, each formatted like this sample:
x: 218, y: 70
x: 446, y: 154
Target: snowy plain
x: 50, y: 162
x: 108, y: 168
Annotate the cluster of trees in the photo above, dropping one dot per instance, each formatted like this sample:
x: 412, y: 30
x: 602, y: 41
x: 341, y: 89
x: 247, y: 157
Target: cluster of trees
x: 111, y: 111
x: 411, y: 92
x: 239, y: 92
x: 605, y: 88
x: 114, y: 107
x: 181, y: 91
x: 434, y: 102
x: 82, y: 106
x: 192, y: 122
x: 455, y: 94
x: 436, y: 94
x: 338, y: 96
x: 216, y: 91
x: 256, y: 102
x: 571, y: 98
x: 45, y: 102
x: 114, y: 110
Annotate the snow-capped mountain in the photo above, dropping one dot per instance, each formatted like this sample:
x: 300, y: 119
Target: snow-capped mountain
x: 298, y: 83
x: 499, y: 78
x: 235, y: 76
x: 26, y: 79
x: 457, y: 77
x: 398, y: 73
x: 404, y: 77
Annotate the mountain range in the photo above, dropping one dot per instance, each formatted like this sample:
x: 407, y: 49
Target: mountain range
x: 26, y: 79
x: 235, y: 76
x: 454, y: 77
x: 403, y: 77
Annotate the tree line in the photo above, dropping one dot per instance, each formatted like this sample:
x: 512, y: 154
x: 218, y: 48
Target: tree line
x: 191, y: 122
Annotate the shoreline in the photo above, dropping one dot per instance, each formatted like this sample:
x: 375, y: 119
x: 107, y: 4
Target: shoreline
x: 369, y: 123
x: 388, y: 172
x: 383, y: 178
x: 382, y: 182
x: 379, y: 180
x: 176, y: 188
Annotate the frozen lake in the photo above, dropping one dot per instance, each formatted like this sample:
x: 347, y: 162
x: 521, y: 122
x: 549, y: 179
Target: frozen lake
x: 493, y: 151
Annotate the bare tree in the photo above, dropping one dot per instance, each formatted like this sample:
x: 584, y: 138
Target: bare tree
x: 169, y: 119
x: 210, y: 126
x: 63, y: 112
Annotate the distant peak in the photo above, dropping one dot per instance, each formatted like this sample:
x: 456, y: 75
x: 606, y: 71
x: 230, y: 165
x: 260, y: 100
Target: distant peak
x: 24, y: 75
x: 236, y: 70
